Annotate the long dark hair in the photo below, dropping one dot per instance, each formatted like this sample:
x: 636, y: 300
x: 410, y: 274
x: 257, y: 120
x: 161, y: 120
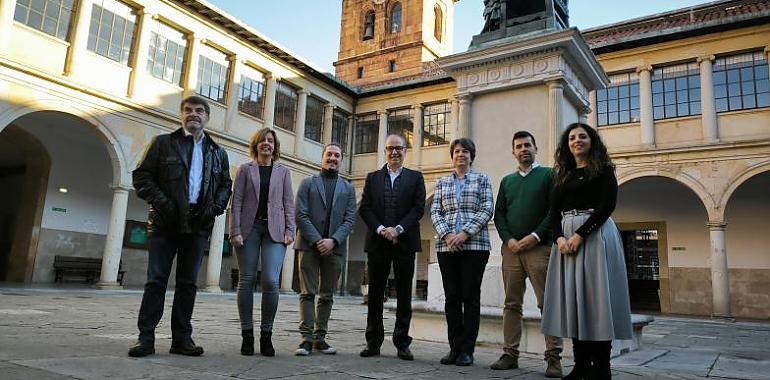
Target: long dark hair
x: 598, y: 158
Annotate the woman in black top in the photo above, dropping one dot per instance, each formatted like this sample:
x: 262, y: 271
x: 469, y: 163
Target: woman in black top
x: 586, y: 294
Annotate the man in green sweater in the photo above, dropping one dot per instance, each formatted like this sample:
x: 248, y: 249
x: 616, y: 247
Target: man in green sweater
x: 521, y: 218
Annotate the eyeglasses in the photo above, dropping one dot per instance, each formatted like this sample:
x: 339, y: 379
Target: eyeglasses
x: 396, y: 148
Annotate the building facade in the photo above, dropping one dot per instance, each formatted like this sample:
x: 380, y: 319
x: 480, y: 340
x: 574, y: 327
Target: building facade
x: 84, y: 86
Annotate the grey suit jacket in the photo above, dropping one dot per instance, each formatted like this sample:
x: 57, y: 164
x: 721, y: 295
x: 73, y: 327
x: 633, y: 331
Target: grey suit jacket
x: 311, y: 213
x: 280, y: 202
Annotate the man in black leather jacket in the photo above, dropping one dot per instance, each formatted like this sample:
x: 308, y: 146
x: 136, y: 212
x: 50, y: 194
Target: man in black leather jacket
x: 185, y: 177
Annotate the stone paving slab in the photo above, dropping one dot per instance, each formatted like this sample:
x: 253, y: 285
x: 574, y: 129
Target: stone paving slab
x: 85, y: 334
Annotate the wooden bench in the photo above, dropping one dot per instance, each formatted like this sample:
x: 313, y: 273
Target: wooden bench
x: 88, y: 267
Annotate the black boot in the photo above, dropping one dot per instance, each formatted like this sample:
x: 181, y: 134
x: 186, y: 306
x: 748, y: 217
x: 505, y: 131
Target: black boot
x: 600, y: 356
x: 247, y: 346
x: 582, y: 361
x: 266, y: 343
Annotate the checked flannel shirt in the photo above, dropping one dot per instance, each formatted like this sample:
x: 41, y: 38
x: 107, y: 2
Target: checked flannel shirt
x: 475, y: 209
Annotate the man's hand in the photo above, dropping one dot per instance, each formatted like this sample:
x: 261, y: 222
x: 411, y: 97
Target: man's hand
x: 527, y: 242
x: 236, y: 241
x: 561, y: 242
x: 325, y: 246
x: 574, y: 243
x: 390, y: 233
x: 513, y: 245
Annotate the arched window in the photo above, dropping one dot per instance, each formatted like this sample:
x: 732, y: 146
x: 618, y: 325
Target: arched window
x: 369, y: 26
x: 438, y: 21
x: 395, y: 18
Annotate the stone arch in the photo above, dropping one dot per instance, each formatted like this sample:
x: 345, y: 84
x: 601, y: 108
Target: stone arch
x: 120, y: 171
x: 707, y: 200
x: 739, y: 179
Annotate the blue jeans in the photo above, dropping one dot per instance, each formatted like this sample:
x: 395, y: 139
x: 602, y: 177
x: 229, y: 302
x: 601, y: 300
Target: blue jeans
x: 188, y: 249
x: 258, y: 244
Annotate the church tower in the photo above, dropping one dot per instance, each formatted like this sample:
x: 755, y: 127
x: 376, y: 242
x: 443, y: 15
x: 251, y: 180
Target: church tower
x: 382, y: 40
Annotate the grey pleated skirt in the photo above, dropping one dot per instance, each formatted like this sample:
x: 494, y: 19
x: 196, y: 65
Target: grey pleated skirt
x: 586, y: 294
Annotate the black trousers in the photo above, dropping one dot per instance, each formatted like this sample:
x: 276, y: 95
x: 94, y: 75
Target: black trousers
x: 461, y: 273
x: 379, y: 265
x: 188, y: 250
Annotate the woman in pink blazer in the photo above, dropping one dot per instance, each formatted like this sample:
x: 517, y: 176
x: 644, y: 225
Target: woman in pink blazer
x: 261, y: 226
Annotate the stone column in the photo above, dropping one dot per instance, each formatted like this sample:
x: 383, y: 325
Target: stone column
x: 299, y: 125
x: 138, y: 60
x: 326, y: 130
x: 287, y: 272
x: 720, y: 279
x: 382, y: 134
x: 114, y: 244
x: 214, y: 263
x: 7, y: 10
x: 593, y: 117
x: 193, y: 58
x: 269, y: 114
x: 555, y: 117
x: 464, y: 118
x: 233, y: 91
x: 708, y: 106
x: 646, y: 118
x: 455, y: 117
x: 79, y: 41
x: 417, y: 132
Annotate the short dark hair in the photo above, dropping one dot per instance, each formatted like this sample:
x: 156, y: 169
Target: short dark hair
x: 523, y: 135
x: 465, y: 143
x: 195, y: 99
x: 342, y: 154
x: 260, y: 136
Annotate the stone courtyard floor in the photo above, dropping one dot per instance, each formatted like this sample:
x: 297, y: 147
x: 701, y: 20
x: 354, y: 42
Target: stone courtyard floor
x: 77, y: 333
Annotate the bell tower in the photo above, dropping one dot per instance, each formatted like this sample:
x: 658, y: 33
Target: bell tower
x: 382, y: 40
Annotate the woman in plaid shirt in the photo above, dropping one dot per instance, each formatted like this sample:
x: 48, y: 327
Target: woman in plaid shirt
x: 462, y: 207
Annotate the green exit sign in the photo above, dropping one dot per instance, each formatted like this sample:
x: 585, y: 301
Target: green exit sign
x: 59, y: 209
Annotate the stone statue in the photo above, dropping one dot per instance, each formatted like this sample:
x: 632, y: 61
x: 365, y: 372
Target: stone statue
x: 492, y: 15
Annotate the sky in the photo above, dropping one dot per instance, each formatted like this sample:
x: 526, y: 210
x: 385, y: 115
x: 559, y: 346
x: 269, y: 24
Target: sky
x: 311, y: 28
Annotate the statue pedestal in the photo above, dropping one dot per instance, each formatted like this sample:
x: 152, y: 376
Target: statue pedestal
x: 535, y: 82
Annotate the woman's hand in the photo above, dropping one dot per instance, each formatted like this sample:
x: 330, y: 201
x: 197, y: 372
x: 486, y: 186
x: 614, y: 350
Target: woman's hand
x: 236, y: 241
x: 561, y: 243
x: 288, y: 238
x: 574, y: 243
x: 456, y: 243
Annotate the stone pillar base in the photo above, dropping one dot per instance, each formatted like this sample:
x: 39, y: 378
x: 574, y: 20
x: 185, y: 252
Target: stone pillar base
x: 109, y: 285
x: 212, y: 289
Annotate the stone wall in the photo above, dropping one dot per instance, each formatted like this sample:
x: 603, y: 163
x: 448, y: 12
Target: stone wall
x: 691, y: 292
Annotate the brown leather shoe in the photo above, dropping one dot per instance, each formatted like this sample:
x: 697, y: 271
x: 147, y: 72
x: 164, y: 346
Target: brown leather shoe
x: 186, y: 347
x: 505, y: 362
x: 554, y: 368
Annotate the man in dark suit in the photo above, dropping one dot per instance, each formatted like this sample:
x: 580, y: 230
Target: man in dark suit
x: 326, y: 210
x: 392, y: 203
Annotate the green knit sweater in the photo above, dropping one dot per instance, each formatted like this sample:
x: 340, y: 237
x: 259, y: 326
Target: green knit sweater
x: 522, y: 205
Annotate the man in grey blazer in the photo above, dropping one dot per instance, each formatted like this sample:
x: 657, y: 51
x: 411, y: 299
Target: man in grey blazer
x: 326, y: 209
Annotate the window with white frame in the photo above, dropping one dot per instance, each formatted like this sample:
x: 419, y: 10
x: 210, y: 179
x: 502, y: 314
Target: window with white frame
x: 619, y: 103
x: 400, y: 123
x: 340, y: 129
x: 52, y: 17
x: 167, y: 52
x: 286, y: 98
x: 314, y: 118
x: 251, y: 99
x: 213, y: 71
x: 676, y: 91
x: 741, y: 82
x: 435, y: 124
x: 112, y: 29
x: 367, y: 127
